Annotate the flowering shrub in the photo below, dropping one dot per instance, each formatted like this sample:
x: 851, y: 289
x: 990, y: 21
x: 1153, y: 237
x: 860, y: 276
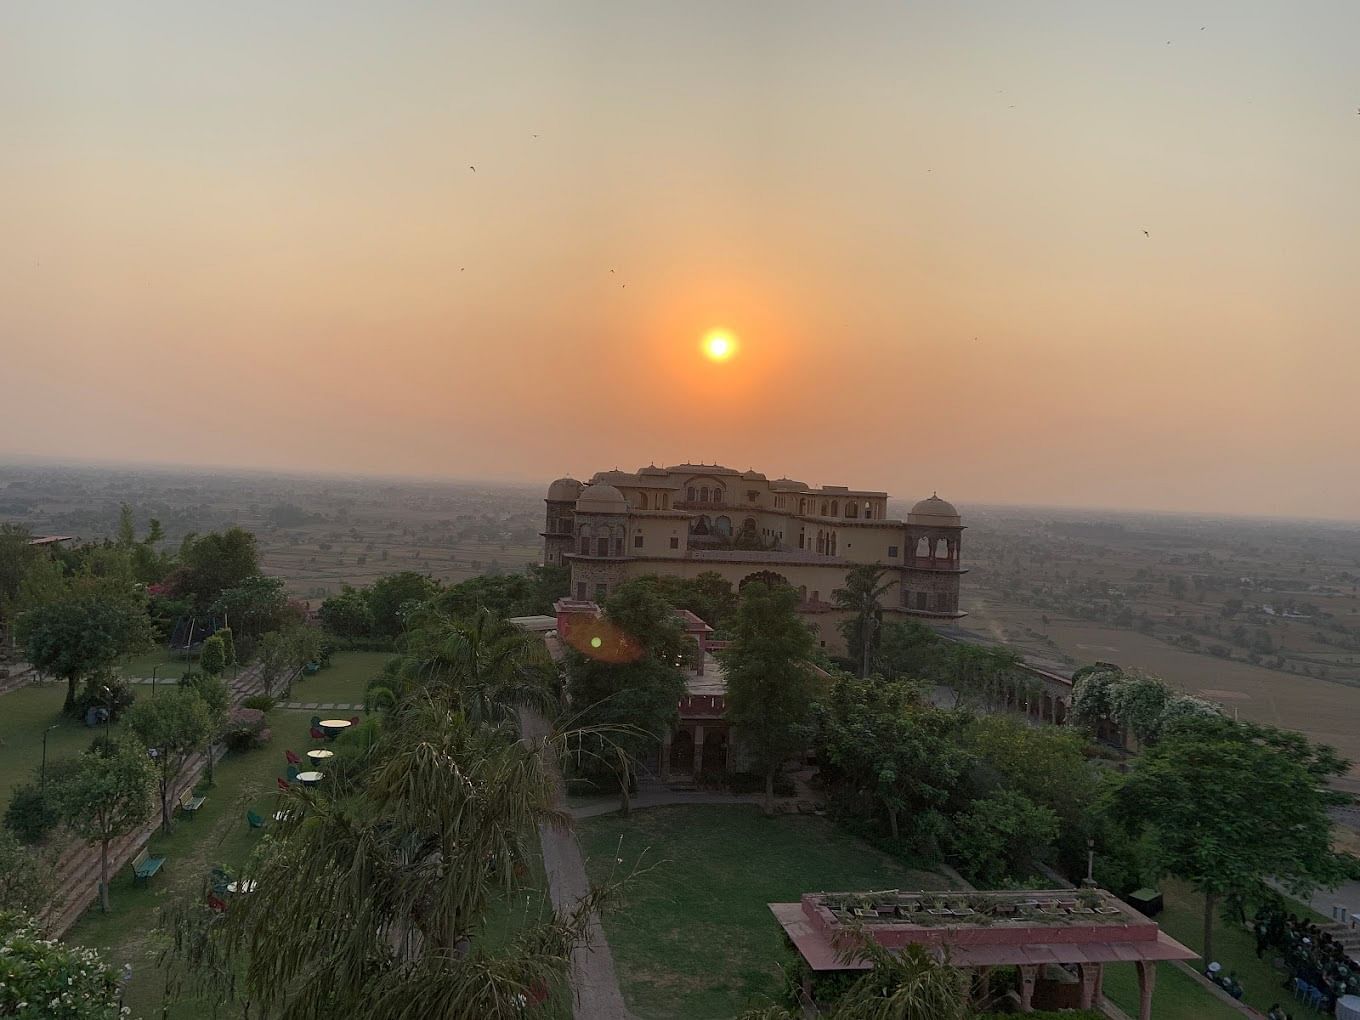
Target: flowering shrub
x: 43, y: 979
x: 1143, y: 705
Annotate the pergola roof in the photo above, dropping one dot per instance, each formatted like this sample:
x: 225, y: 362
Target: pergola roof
x: 1006, y: 931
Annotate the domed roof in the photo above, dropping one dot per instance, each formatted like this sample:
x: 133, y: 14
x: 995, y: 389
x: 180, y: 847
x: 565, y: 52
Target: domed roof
x: 751, y: 475
x: 652, y: 469
x: 788, y: 483
x: 564, y: 490
x: 601, y: 498
x: 934, y: 510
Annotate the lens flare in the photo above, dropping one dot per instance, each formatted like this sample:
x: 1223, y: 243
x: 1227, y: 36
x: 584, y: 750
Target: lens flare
x: 719, y: 345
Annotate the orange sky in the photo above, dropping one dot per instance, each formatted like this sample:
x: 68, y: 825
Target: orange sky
x: 247, y: 234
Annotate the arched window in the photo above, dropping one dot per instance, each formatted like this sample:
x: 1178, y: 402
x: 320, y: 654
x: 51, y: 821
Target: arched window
x: 690, y: 495
x: 802, y: 506
x: 618, y: 546
x: 835, y: 508
x: 868, y: 511
x: 749, y: 525
x: 831, y: 544
x: 802, y: 593
x: 665, y: 501
x: 821, y: 542
x: 923, y: 548
x: 723, y: 525
x: 852, y: 509
x: 602, y: 546
x: 942, y: 549
x: 642, y: 501
x: 703, y: 494
x: 718, y: 494
x: 823, y: 508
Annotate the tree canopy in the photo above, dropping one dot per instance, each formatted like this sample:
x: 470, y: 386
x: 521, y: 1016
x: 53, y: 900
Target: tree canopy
x: 213, y: 563
x: 770, y: 685
x: 1231, y: 805
x: 82, y: 634
x: 174, y: 724
x: 102, y: 797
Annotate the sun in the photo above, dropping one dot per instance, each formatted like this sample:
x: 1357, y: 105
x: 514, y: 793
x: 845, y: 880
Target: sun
x: 719, y: 345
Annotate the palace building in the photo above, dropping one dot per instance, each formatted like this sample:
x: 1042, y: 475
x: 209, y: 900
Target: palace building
x: 691, y: 518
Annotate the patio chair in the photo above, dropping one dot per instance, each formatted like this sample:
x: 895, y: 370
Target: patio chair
x: 219, y: 880
x: 283, y: 784
x: 216, y: 905
x: 292, y: 773
x: 254, y: 820
x: 354, y: 720
x: 316, y: 721
x: 292, y: 758
x: 318, y: 733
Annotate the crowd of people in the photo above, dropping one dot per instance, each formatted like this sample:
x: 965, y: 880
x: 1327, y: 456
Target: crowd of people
x: 1310, y: 954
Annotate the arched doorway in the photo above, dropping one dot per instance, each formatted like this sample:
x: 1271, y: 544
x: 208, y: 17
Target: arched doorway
x: 682, y: 752
x: 715, y: 752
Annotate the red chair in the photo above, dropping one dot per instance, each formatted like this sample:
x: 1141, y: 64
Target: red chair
x: 216, y: 905
x: 318, y: 733
x: 292, y: 758
x: 283, y: 783
x: 354, y: 720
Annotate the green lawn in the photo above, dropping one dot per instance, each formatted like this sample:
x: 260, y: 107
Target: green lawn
x: 1176, y: 996
x: 218, y: 835
x: 344, y: 680
x: 25, y: 715
x: 167, y: 663
x: 692, y: 936
x: 1234, y: 947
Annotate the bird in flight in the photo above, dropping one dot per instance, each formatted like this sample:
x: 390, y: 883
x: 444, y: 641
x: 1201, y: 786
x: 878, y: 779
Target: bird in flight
x: 1146, y: 234
x: 473, y: 169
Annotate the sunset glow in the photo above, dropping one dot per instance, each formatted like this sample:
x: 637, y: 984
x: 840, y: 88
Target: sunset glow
x: 719, y: 346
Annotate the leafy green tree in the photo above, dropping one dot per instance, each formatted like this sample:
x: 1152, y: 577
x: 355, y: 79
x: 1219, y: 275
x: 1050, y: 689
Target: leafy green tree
x: 976, y: 673
x: 531, y: 593
x: 347, y: 615
x: 127, y: 531
x: 43, y: 979
x: 255, y: 605
x: 878, y: 739
x: 216, y: 698
x: 80, y: 635
x: 862, y: 596
x: 1231, y: 805
x: 909, y: 649
x: 770, y: 686
x: 273, y: 653
x: 214, y: 563
x: 104, y: 797
x: 1001, y: 835
x: 25, y: 878
x: 303, y: 644
x: 175, y: 725
x: 393, y: 597
x: 629, y: 684
x: 213, y: 657
x: 1048, y: 765
x: 17, y: 558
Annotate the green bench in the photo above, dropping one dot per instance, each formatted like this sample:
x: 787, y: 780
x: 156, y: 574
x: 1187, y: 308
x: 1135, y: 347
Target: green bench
x: 190, y: 804
x: 144, y: 866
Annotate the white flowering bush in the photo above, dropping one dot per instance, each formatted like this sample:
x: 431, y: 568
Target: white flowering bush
x: 44, y: 979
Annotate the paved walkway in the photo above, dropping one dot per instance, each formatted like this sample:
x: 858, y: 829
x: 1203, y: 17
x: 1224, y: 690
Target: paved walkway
x: 77, y: 869
x: 593, y: 977
x: 654, y: 794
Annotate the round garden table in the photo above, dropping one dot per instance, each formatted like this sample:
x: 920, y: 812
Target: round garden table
x: 334, y: 727
x: 318, y: 755
x: 310, y: 778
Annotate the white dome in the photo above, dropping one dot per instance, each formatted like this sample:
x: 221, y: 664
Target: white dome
x: 601, y: 498
x: 564, y: 490
x: 934, y: 511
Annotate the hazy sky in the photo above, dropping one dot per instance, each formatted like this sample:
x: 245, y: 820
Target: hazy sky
x: 247, y: 233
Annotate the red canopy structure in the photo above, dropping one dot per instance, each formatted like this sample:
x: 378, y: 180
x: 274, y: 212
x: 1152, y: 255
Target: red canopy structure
x: 1078, y: 931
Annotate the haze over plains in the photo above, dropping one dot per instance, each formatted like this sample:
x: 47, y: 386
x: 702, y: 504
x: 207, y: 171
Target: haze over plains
x: 248, y: 234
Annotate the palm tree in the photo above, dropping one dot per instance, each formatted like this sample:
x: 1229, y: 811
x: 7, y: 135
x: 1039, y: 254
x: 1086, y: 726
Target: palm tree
x: 482, y: 665
x: 862, y: 595
x: 909, y: 984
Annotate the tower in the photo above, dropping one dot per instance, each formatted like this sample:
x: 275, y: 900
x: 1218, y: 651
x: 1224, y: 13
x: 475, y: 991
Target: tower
x: 557, y: 528
x: 931, y: 562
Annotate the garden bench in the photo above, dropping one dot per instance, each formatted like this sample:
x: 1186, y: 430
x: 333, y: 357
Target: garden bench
x: 190, y: 804
x: 144, y: 866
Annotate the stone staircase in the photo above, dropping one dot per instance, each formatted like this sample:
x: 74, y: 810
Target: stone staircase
x: 76, y: 870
